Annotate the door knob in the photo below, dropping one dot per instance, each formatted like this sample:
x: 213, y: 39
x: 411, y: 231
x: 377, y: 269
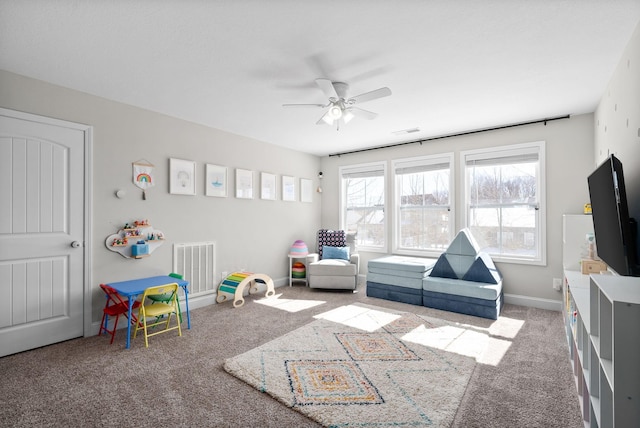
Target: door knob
x: 76, y: 244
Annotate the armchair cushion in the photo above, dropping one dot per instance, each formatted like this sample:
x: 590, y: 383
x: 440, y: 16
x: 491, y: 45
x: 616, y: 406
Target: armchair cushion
x: 335, y: 252
x: 333, y: 267
x: 333, y: 238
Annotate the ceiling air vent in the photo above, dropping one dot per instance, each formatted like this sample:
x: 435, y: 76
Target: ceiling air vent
x: 406, y: 131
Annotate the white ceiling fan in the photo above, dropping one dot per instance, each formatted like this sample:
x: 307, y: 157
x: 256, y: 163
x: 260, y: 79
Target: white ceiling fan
x: 341, y: 107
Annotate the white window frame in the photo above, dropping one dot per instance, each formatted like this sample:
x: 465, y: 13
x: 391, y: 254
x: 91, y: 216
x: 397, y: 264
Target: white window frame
x: 503, y: 151
x: 363, y: 168
x: 447, y: 158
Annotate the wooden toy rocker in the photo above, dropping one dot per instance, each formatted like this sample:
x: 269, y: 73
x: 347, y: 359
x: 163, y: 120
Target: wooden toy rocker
x: 237, y: 281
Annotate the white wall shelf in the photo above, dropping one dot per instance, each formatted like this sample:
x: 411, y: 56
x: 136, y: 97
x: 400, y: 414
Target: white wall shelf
x: 123, y: 241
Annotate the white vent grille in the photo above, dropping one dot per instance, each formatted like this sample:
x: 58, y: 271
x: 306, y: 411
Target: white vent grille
x: 196, y: 261
x: 406, y: 131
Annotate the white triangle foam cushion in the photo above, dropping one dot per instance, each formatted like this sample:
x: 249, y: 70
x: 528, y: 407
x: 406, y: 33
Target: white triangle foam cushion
x: 464, y: 244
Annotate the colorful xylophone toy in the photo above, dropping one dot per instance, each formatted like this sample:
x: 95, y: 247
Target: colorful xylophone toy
x: 237, y: 281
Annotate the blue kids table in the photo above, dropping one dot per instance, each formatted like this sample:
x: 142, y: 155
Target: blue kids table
x: 134, y: 287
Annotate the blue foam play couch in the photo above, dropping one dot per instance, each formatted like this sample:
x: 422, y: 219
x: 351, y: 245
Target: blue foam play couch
x: 464, y: 280
x: 398, y: 278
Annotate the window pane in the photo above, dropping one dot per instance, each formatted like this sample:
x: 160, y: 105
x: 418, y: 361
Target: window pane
x: 509, y: 231
x: 364, y: 213
x: 423, y: 213
x: 369, y: 225
x: 504, y: 202
x: 426, y: 188
x: 503, y: 184
x: 424, y: 228
x: 364, y: 192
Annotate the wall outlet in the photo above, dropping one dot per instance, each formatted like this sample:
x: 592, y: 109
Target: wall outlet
x: 223, y: 275
x: 557, y: 284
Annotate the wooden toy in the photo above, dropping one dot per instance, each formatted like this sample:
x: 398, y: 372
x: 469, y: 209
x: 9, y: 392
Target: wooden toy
x: 237, y: 281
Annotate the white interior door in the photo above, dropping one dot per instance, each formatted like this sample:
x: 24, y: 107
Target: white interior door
x: 42, y: 227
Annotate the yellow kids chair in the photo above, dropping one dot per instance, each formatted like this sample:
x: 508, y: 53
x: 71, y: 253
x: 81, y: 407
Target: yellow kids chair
x: 158, y: 309
x: 166, y: 297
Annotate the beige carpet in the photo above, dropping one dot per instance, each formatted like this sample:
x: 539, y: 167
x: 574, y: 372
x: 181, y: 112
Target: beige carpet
x: 362, y: 365
x: 525, y: 381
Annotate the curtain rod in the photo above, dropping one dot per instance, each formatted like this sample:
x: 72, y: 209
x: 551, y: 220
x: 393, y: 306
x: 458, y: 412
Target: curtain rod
x: 459, y: 134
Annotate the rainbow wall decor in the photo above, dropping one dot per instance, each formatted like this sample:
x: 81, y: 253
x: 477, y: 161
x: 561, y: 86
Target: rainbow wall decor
x: 143, y: 176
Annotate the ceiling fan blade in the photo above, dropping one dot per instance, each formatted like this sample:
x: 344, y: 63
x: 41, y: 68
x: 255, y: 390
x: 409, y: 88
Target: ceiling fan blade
x: 341, y: 89
x: 327, y: 87
x: 369, y: 96
x: 364, y: 114
x: 303, y: 105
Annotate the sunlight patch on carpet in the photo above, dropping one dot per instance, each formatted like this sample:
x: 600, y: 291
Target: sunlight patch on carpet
x: 495, y: 350
x: 504, y: 327
x: 460, y: 340
x: 360, y: 317
x: 289, y: 305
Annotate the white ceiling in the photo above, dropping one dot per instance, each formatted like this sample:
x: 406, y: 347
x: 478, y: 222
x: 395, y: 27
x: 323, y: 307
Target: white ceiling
x: 453, y: 66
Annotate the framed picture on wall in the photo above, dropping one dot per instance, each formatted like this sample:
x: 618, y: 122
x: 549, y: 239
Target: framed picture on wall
x: 306, y: 192
x: 288, y: 188
x: 182, y: 177
x: 216, y: 184
x: 268, y: 186
x: 244, y: 183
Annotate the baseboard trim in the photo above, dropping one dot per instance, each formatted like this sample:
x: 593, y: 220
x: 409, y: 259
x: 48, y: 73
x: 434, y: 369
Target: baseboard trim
x: 280, y: 282
x: 533, y: 302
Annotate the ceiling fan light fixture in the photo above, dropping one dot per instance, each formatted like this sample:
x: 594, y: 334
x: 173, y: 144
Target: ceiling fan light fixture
x: 326, y: 118
x: 335, y: 112
x: 347, y: 116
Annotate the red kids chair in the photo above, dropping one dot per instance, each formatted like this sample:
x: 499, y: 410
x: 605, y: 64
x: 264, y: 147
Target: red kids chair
x: 115, y: 307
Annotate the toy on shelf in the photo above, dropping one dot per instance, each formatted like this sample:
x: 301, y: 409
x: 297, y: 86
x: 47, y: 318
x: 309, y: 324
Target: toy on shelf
x: 135, y: 240
x: 120, y: 242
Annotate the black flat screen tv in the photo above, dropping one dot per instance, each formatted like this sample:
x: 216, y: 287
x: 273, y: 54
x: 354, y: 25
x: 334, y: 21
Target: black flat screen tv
x: 615, y: 232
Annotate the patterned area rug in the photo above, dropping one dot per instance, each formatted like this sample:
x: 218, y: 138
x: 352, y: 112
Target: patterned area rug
x: 364, y: 366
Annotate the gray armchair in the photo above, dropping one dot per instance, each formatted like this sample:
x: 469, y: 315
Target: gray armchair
x: 336, y: 265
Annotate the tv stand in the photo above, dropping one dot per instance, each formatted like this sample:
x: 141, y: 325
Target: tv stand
x: 602, y: 320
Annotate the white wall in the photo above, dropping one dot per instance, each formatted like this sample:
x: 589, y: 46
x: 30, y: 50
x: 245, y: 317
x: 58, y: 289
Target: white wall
x: 569, y: 159
x: 251, y: 234
x: 617, y: 122
x: 255, y: 234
